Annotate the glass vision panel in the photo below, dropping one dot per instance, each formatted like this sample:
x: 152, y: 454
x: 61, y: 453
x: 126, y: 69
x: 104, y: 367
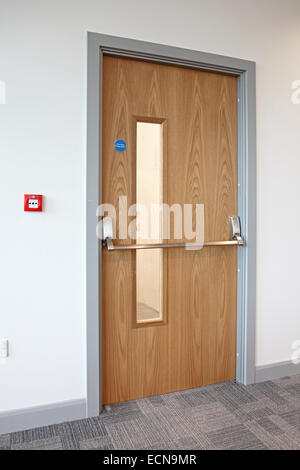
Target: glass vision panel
x: 149, y: 184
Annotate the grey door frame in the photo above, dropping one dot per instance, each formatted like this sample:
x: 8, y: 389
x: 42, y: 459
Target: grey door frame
x: 245, y: 71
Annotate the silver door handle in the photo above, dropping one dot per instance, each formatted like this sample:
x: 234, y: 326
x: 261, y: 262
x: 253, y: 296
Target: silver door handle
x: 235, y: 235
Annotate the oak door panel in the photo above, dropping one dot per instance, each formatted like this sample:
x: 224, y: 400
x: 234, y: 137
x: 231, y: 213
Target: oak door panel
x: 197, y: 344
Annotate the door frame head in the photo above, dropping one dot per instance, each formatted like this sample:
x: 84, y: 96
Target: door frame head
x: 245, y: 71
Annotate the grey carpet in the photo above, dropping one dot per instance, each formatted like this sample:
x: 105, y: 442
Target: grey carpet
x: 222, y: 416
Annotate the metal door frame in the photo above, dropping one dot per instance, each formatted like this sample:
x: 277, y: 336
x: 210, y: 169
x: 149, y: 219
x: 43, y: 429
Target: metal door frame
x: 245, y: 71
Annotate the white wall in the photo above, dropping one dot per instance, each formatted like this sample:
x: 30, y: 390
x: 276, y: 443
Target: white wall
x: 43, y: 61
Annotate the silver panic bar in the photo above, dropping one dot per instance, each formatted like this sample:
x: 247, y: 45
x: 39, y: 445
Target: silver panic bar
x: 235, y: 235
x: 111, y: 247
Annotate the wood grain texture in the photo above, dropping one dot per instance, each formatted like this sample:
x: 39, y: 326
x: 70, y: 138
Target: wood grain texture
x: 197, y: 344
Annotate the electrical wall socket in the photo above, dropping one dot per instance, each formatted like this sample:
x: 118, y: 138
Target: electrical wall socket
x: 3, y: 348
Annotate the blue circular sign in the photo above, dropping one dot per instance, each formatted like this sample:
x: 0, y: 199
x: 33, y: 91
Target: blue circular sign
x: 120, y: 145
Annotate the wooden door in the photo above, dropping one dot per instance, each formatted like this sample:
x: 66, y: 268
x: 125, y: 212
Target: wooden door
x: 194, y: 343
